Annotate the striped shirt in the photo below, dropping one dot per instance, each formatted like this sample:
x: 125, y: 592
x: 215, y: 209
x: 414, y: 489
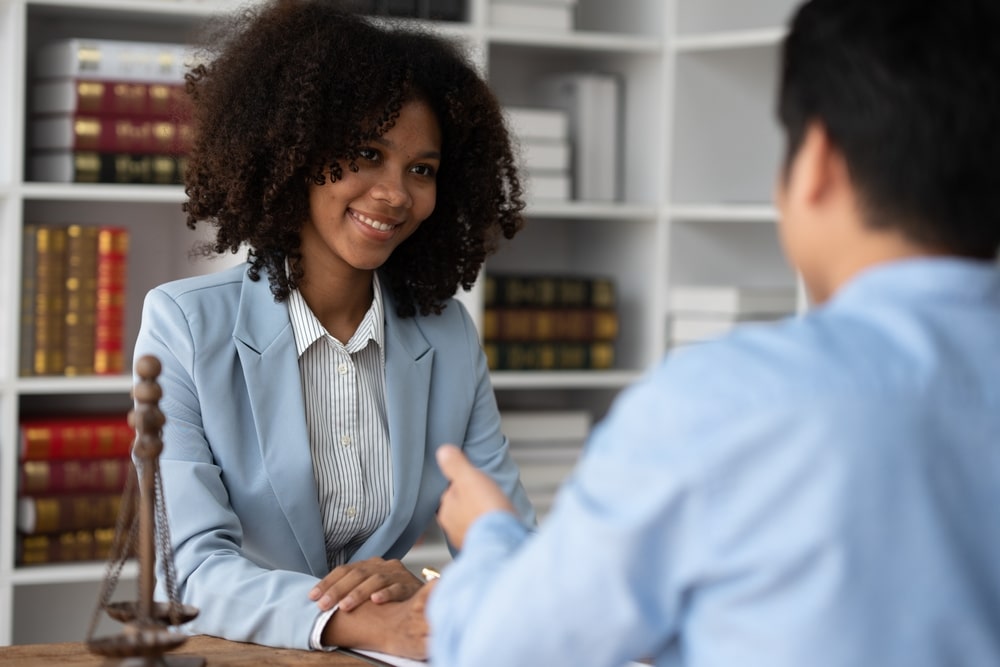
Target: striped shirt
x: 344, y: 391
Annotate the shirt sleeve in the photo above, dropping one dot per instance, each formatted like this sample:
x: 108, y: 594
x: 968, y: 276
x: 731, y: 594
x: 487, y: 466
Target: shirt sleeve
x: 316, y: 636
x: 578, y: 591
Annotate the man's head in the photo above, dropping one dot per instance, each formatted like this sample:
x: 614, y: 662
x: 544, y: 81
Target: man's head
x: 898, y: 101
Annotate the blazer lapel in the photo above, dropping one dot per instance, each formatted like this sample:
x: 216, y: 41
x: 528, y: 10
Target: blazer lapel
x: 408, y: 361
x: 266, y: 346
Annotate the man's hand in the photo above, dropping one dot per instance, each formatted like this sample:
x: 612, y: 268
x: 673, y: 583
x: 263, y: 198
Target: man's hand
x: 471, y: 494
x: 374, y: 579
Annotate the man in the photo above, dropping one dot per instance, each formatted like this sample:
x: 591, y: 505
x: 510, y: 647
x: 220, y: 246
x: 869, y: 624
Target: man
x: 820, y: 492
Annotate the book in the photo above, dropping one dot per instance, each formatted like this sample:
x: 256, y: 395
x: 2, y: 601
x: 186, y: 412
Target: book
x: 134, y: 99
x: 107, y: 59
x: 525, y: 15
x: 29, y: 264
x: 527, y: 290
x: 49, y: 296
x: 111, y: 134
x: 691, y: 328
x: 546, y: 426
x: 593, y: 102
x: 529, y: 123
x: 545, y: 155
x: 542, y: 186
x: 732, y: 299
x: 60, y: 513
x: 73, y: 476
x: 75, y: 437
x: 80, y: 300
x: 69, y: 166
x: 109, y: 316
x: 66, y: 547
x: 549, y: 324
x: 540, y: 356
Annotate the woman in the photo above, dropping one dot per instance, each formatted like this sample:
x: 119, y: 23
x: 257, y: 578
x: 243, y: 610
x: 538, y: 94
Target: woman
x: 369, y: 173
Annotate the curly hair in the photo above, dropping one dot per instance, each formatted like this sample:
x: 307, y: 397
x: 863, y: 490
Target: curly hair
x: 288, y: 93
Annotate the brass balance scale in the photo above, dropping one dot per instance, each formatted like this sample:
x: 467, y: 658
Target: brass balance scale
x: 142, y: 529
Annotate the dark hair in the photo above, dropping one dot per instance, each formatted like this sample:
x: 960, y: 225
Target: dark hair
x: 909, y: 92
x: 290, y: 92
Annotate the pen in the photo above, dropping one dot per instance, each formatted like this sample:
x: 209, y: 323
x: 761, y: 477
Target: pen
x: 430, y: 574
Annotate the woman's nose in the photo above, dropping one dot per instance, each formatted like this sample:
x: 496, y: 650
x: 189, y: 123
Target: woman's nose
x: 392, y: 191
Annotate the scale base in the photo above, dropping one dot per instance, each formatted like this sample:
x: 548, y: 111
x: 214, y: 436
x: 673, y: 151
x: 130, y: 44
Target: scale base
x: 158, y: 661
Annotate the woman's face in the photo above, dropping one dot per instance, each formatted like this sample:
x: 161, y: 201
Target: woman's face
x: 356, y: 222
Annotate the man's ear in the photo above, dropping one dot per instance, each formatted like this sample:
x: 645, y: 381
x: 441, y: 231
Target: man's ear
x: 818, y: 169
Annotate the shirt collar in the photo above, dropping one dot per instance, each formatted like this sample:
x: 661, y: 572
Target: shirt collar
x: 308, y: 329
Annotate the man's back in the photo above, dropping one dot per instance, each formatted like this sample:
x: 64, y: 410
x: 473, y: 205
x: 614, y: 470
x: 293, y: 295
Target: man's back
x: 875, y: 546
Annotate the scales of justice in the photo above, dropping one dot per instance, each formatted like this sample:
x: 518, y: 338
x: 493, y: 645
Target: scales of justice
x: 142, y: 529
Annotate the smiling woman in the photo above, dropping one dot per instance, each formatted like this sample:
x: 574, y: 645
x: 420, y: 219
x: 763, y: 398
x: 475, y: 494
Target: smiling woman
x: 368, y: 171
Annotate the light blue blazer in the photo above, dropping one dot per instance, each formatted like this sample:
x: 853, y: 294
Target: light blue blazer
x: 237, y: 472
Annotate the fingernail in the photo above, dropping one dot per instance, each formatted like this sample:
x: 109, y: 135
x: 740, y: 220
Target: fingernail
x: 325, y: 602
x: 314, y: 594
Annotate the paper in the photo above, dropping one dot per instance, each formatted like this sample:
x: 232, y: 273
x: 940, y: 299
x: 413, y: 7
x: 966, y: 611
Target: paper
x: 384, y: 658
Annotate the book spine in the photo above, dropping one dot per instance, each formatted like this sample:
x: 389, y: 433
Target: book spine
x: 97, y: 167
x: 73, y: 476
x: 50, y: 280
x: 135, y: 99
x: 108, y: 134
x: 546, y: 291
x: 538, y: 356
x: 66, y: 547
x: 81, y: 299
x: 75, y: 438
x: 53, y: 514
x: 549, y: 324
x: 114, y: 60
x: 112, y: 269
x: 29, y: 267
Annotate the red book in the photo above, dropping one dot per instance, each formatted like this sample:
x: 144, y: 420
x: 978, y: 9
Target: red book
x: 85, y: 437
x: 54, y: 477
x: 112, y: 258
x: 111, y: 134
x: 137, y: 99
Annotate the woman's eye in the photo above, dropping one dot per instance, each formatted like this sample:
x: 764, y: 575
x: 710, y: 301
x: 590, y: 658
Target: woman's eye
x: 424, y: 170
x: 368, y: 154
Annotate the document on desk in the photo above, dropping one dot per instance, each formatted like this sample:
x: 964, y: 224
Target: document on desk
x: 382, y: 659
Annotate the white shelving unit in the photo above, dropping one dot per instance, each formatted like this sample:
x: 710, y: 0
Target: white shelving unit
x: 701, y: 151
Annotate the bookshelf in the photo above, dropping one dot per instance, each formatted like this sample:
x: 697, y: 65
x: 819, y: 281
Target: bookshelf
x: 700, y: 150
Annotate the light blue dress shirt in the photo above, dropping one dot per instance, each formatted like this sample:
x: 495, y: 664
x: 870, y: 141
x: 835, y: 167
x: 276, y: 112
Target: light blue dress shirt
x: 820, y: 492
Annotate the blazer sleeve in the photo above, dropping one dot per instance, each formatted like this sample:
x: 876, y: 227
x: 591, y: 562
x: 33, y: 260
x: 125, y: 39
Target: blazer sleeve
x: 238, y: 598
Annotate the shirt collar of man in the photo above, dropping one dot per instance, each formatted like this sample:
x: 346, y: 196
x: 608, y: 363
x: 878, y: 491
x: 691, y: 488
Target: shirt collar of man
x: 308, y: 329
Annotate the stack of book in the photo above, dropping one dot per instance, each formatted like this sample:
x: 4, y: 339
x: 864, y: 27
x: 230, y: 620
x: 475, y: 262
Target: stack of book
x: 549, y: 322
x: 434, y: 10
x: 698, y: 313
x: 543, y: 138
x: 557, y: 15
x: 72, y: 474
x: 546, y: 445
x: 592, y: 102
x: 73, y: 300
x: 109, y: 111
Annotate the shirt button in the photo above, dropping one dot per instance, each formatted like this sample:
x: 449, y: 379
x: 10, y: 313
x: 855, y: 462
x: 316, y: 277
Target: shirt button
x: 345, y: 440
x: 342, y: 369
x: 350, y: 512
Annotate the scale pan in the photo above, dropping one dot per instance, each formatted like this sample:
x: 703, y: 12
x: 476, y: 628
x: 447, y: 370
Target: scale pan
x: 126, y: 612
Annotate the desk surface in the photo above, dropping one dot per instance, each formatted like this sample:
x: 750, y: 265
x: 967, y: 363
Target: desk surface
x: 216, y: 652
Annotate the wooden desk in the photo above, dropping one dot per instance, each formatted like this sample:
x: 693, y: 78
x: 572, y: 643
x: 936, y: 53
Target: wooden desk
x: 216, y: 652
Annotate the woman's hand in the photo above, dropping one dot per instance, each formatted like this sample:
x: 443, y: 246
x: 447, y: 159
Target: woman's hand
x: 374, y: 579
